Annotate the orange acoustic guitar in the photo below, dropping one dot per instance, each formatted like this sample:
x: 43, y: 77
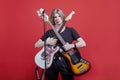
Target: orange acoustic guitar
x: 78, y: 64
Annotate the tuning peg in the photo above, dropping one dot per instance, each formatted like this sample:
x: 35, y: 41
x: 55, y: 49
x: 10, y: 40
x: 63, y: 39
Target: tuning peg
x: 38, y: 13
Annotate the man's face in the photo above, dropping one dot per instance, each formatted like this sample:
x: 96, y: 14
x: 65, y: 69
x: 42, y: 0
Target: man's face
x: 57, y: 19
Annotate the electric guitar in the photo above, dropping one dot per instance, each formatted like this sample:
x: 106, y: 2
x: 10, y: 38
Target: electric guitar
x: 78, y: 66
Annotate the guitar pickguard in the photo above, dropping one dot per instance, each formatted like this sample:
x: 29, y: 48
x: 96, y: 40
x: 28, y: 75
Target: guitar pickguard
x: 45, y: 56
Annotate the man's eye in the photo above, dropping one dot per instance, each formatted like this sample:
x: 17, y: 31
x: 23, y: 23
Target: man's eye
x: 54, y: 17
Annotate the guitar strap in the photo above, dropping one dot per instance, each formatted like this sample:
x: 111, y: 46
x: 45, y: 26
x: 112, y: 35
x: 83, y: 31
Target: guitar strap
x: 38, y: 77
x: 43, y: 76
x: 37, y: 73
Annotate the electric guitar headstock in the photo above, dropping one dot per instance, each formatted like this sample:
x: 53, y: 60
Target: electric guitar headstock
x: 42, y: 14
x: 69, y: 16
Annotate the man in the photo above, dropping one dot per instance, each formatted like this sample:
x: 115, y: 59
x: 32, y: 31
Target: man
x: 60, y: 64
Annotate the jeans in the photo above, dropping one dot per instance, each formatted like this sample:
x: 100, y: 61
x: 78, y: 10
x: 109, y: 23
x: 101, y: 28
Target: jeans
x: 59, y: 65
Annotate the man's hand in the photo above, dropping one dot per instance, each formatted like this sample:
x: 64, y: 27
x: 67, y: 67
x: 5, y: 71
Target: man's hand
x: 51, y: 41
x: 68, y: 46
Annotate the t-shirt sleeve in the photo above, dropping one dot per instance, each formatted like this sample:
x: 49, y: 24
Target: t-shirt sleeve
x: 45, y: 36
x: 75, y: 34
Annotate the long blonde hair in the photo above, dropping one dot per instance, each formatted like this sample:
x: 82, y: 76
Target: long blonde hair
x: 58, y: 11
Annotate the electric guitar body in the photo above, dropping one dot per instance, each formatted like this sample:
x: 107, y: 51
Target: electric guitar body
x: 45, y: 55
x: 78, y: 65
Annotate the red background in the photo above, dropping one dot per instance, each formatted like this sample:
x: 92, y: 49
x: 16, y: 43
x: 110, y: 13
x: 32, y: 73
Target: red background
x: 97, y: 21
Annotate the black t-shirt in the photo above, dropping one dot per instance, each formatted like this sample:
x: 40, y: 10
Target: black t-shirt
x: 68, y: 35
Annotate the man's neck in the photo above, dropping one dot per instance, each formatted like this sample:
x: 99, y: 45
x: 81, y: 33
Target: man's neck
x: 57, y: 27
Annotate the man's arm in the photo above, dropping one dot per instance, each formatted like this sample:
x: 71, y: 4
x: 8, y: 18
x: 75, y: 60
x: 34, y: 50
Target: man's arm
x: 49, y: 41
x: 80, y: 43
